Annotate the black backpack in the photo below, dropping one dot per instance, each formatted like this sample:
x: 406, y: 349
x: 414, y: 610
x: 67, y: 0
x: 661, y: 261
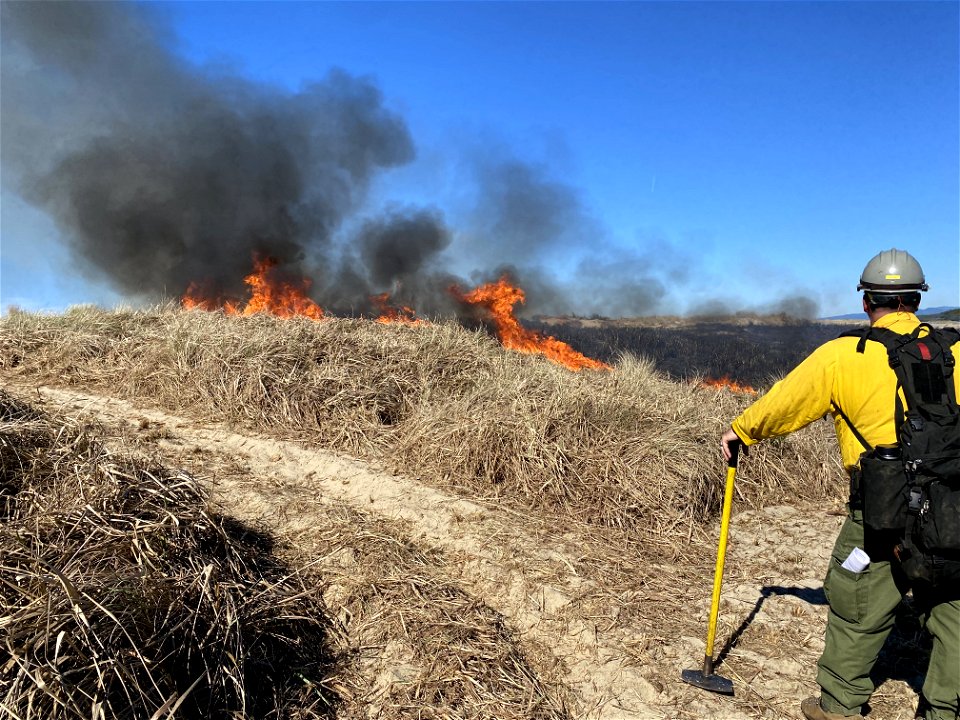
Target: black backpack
x: 913, y: 489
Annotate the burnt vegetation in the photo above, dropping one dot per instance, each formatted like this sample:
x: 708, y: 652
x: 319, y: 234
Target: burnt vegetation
x: 751, y: 353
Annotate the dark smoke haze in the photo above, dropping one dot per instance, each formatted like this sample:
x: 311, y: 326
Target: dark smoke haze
x: 160, y: 174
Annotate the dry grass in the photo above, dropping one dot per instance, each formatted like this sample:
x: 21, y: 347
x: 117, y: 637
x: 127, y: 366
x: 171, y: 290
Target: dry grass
x: 627, y: 448
x: 121, y: 596
x: 614, y: 457
x: 423, y: 646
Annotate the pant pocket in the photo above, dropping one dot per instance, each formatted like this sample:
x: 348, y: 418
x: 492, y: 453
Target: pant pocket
x: 845, y: 592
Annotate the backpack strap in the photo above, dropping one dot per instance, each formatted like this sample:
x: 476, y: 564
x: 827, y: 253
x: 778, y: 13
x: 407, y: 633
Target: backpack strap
x: 943, y: 338
x: 886, y: 337
x: 892, y: 342
x: 862, y: 333
x: 867, y: 446
x: 946, y: 338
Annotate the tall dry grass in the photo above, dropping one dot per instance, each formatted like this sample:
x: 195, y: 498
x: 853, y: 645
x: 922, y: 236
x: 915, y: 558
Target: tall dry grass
x: 627, y: 448
x: 122, y: 596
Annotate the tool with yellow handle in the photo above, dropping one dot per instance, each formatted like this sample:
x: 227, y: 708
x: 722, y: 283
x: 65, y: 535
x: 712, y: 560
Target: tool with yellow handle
x: 706, y: 678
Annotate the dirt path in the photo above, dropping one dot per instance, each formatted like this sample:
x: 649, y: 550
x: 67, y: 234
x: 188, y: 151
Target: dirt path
x: 606, y: 651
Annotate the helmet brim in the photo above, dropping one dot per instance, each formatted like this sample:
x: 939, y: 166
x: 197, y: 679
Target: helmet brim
x: 891, y: 289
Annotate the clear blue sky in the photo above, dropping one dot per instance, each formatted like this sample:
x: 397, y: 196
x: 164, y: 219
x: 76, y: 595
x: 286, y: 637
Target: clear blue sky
x: 772, y: 148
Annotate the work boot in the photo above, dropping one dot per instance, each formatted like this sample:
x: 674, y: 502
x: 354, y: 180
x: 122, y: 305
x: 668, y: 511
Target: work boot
x: 812, y: 711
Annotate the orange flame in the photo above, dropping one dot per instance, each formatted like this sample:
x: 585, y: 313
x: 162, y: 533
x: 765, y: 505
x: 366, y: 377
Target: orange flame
x: 268, y: 294
x: 392, y: 314
x: 726, y: 383
x: 197, y: 296
x: 499, y: 298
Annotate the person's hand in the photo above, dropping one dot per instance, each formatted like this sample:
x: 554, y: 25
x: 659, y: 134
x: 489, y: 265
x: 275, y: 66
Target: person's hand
x: 728, y: 438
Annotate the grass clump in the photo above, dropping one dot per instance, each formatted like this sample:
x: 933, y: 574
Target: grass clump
x: 424, y: 645
x: 122, y: 596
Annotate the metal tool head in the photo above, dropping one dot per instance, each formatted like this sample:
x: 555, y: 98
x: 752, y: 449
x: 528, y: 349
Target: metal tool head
x: 712, y: 682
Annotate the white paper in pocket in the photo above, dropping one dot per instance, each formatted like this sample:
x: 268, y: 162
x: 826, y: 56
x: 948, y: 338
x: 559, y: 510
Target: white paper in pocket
x: 857, y: 561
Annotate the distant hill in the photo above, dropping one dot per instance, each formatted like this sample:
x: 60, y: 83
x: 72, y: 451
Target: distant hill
x: 949, y: 314
x: 942, y: 312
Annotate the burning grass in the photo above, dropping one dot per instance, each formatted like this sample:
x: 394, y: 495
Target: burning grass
x: 499, y: 299
x: 269, y: 292
x: 122, y: 596
x: 628, y: 448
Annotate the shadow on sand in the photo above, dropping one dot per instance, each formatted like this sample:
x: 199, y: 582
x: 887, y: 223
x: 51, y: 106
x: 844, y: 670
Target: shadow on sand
x: 905, y: 653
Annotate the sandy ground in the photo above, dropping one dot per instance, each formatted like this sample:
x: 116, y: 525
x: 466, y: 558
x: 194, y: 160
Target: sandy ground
x: 607, y: 649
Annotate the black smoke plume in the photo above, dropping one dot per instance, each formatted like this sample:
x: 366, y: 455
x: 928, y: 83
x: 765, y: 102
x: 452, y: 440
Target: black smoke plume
x: 161, y: 174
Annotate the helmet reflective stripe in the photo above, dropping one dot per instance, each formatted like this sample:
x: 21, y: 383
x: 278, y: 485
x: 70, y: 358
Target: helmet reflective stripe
x: 892, y: 272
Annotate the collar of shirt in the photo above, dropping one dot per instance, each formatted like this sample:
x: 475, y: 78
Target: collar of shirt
x: 900, y: 322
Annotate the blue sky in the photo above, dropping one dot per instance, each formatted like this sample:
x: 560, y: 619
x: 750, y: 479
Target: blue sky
x: 763, y: 149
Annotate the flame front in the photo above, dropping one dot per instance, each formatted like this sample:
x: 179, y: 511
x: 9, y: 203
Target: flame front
x: 726, y: 383
x: 276, y: 296
x: 268, y: 294
x: 393, y: 314
x: 499, y: 298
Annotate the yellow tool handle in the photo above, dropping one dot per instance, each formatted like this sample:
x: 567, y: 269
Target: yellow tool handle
x: 721, y: 556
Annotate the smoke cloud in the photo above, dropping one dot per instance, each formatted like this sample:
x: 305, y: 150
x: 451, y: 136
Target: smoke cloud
x: 160, y: 174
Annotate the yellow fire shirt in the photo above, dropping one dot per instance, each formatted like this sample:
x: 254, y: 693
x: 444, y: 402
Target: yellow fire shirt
x: 862, y: 384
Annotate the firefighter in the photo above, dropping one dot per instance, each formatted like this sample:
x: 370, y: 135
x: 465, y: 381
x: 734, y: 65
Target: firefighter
x: 863, y: 604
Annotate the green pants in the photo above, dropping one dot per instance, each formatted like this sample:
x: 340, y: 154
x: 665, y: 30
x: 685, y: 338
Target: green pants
x: 862, y: 612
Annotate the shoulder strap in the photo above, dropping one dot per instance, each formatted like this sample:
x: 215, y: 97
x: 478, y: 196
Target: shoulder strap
x: 942, y: 338
x: 892, y: 342
x: 884, y: 336
x: 853, y: 428
x: 952, y: 334
x: 861, y: 333
x: 946, y: 338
